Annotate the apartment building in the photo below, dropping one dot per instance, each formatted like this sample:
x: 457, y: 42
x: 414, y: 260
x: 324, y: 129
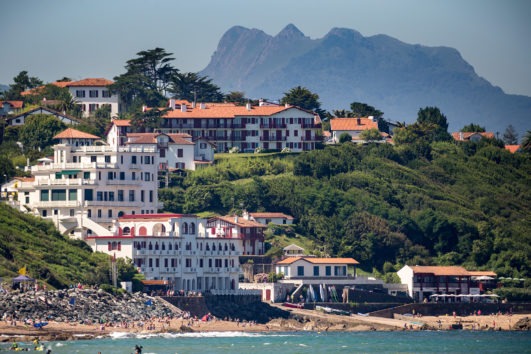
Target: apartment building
x: 88, y: 183
x: 175, y: 248
x: 266, y: 126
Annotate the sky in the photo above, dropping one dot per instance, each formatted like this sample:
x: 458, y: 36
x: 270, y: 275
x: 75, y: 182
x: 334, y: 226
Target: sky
x: 94, y: 38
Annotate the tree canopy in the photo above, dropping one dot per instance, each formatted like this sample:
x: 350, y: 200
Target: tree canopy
x: 301, y: 97
x: 194, y: 88
x: 22, y: 82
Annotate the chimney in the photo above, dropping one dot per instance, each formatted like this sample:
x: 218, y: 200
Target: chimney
x: 202, y: 106
x: 260, y: 102
x: 372, y: 118
x: 286, y: 105
x: 172, y: 103
x: 193, y: 105
x: 183, y: 108
x: 236, y: 219
x: 359, y: 121
x: 144, y: 108
x: 246, y: 215
x: 248, y: 106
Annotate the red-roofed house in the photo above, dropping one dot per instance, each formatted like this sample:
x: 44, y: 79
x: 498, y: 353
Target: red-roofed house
x: 266, y: 218
x: 472, y: 136
x: 352, y: 126
x: 513, y: 148
x: 20, y: 119
x: 10, y: 107
x: 92, y: 94
x: 249, y: 231
x: 424, y: 281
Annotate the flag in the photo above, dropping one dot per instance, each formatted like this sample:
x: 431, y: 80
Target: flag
x: 22, y: 271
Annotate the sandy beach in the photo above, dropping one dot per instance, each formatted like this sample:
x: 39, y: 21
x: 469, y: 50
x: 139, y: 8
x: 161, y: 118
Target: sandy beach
x: 304, y: 320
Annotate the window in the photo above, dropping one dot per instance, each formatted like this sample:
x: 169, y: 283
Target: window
x: 146, y: 176
x: 132, y: 196
x: 86, y: 175
x: 93, y: 159
x: 146, y: 160
x: 179, y: 152
x: 300, y: 271
x: 45, y: 195
x: 44, y: 213
x: 328, y: 270
x: 89, y: 213
x: 188, y: 262
x: 99, y: 213
x: 122, y: 176
x: 105, y: 93
x: 151, y: 196
x: 142, y: 196
x: 99, y: 196
x: 72, y: 194
x: 107, y: 159
x: 109, y: 213
x: 93, y: 107
x: 111, y: 196
x: 93, y: 93
x: 133, y: 160
x: 72, y: 212
x: 202, y: 145
x: 80, y: 93
x: 296, y: 133
x: 110, y: 176
x: 58, y: 194
x: 315, y: 271
x: 162, y: 153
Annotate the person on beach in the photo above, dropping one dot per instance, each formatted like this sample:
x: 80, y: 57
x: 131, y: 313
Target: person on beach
x: 138, y: 349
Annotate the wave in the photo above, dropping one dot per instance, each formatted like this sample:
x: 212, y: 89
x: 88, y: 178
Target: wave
x: 125, y: 335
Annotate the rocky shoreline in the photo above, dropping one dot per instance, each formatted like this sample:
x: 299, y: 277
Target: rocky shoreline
x: 89, y: 313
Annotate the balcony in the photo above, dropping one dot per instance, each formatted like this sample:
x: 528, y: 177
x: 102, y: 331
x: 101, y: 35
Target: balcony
x: 58, y: 204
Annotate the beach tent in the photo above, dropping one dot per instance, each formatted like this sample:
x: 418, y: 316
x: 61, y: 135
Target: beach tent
x: 484, y: 277
x: 22, y: 278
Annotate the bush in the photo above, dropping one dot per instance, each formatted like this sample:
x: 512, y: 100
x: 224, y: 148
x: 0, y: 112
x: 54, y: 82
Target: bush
x: 514, y: 294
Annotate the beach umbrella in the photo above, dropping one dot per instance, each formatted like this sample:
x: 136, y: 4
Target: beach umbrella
x: 484, y: 277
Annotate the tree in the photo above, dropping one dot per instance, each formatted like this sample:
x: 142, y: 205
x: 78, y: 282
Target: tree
x: 345, y: 138
x: 147, y: 121
x: 342, y: 113
x: 22, y: 82
x: 39, y: 129
x: 371, y: 135
x: 146, y: 80
x: 364, y: 110
x: 194, y: 88
x: 510, y: 136
x: 301, y: 97
x: 433, y: 124
x: 237, y: 97
x: 473, y: 128
x: 526, y: 142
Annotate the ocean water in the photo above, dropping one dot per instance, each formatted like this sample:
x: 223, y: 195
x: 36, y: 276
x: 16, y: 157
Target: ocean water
x: 301, y: 342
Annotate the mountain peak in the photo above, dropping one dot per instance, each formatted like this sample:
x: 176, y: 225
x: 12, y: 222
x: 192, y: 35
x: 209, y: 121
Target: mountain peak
x: 290, y: 31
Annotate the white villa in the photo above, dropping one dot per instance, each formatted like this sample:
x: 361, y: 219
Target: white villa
x: 352, y: 126
x: 275, y: 218
x: 92, y: 94
x: 87, y: 184
x: 308, y: 268
x: 174, y: 248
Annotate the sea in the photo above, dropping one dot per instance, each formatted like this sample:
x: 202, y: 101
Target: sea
x: 299, y: 342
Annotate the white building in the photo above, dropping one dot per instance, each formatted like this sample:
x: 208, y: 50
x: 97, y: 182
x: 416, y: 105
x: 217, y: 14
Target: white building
x: 319, y: 269
x: 424, y: 281
x: 270, y: 127
x: 275, y: 218
x: 249, y: 231
x: 20, y: 119
x: 353, y: 127
x: 92, y: 94
x: 175, y: 151
x: 175, y: 248
x: 87, y: 184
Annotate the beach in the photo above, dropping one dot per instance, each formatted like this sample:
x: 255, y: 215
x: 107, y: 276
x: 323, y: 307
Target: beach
x: 301, y: 320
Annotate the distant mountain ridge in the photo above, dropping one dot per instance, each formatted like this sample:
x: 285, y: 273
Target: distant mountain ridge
x: 345, y: 67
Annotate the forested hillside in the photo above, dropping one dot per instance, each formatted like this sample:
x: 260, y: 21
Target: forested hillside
x: 27, y: 241
x: 442, y: 203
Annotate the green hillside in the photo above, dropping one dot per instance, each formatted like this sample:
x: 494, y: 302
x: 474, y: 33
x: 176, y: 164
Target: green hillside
x: 48, y: 256
x: 442, y: 203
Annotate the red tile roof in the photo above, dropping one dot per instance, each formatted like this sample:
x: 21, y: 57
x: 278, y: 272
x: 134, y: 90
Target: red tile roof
x: 14, y: 104
x: 352, y: 124
x: 213, y: 110
x: 464, y: 136
x: 121, y: 122
x: 151, y: 138
x: 441, y: 270
x: 74, y: 134
x: 314, y: 260
x: 37, y: 89
x: 241, y: 221
x: 90, y: 82
x: 512, y: 148
x: 479, y: 273
x: 270, y: 215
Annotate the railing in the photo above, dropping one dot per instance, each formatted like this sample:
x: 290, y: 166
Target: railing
x: 58, y: 204
x: 238, y: 292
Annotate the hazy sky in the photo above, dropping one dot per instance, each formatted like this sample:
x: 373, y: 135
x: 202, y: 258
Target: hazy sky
x: 94, y: 38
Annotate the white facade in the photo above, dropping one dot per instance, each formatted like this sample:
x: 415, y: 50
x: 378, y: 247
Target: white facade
x: 249, y: 231
x: 274, y: 218
x: 92, y: 94
x: 424, y: 281
x: 310, y: 267
x: 174, y: 247
x: 86, y: 186
x: 21, y: 118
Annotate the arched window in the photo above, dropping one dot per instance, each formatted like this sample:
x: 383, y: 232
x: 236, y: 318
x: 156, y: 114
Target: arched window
x: 119, y: 246
x: 176, y: 246
x: 109, y: 246
x: 127, y: 230
x: 192, y: 228
x: 226, y: 247
x: 150, y: 247
x: 120, y: 214
x: 114, y: 245
x: 169, y: 246
x: 163, y: 246
x: 207, y: 247
x: 159, y: 229
x: 185, y: 228
x: 142, y: 231
x: 156, y: 246
x: 213, y: 247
